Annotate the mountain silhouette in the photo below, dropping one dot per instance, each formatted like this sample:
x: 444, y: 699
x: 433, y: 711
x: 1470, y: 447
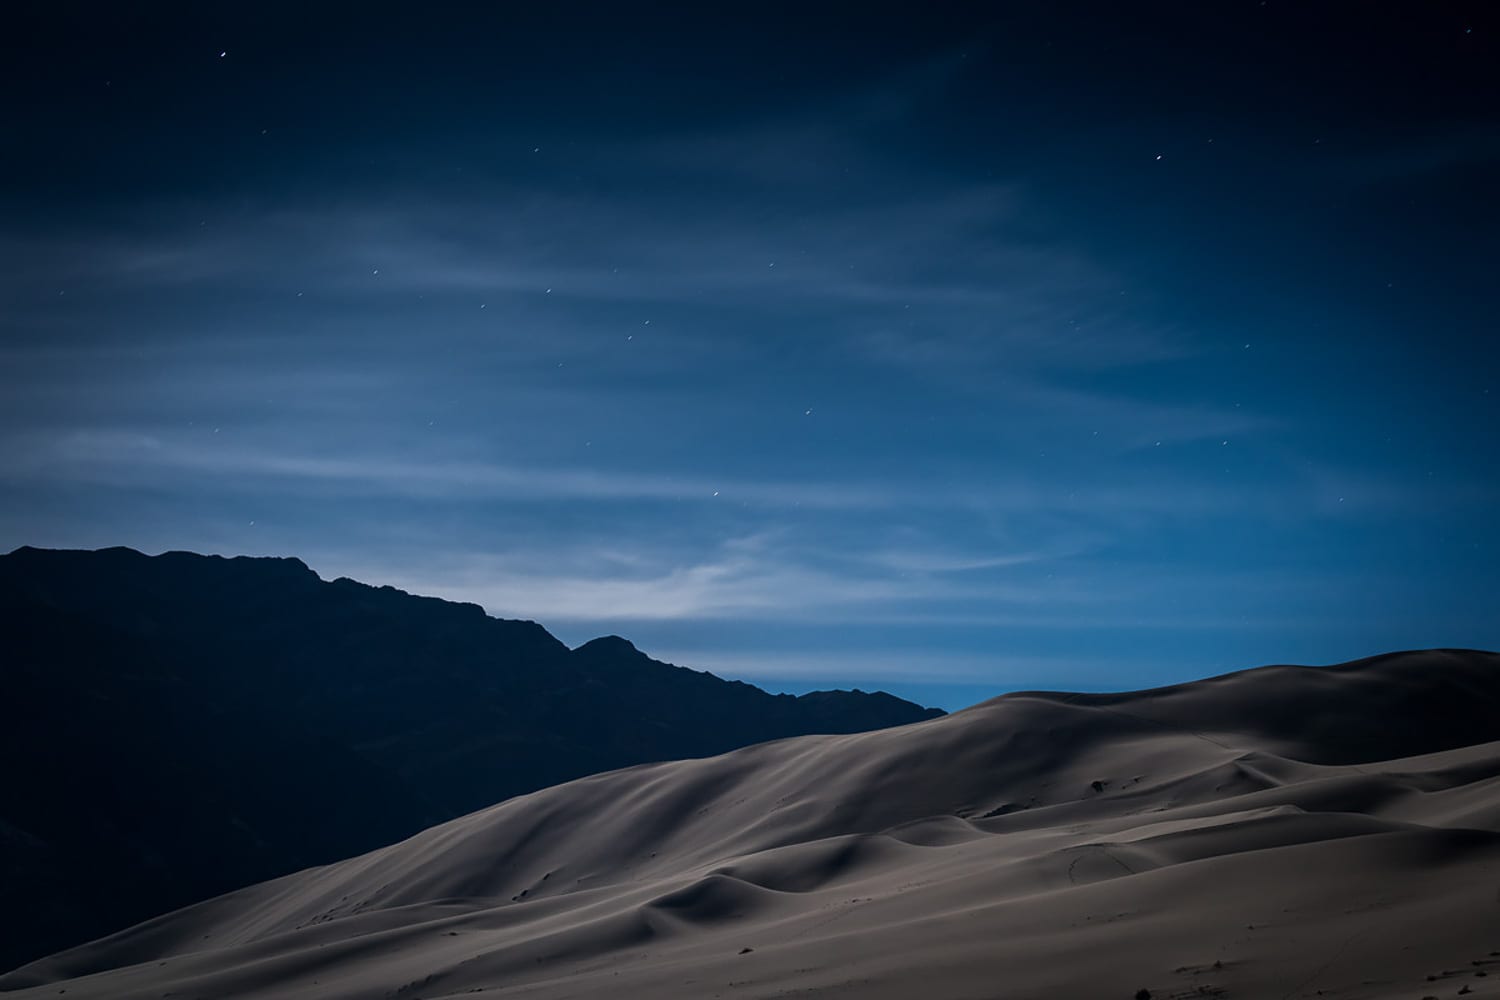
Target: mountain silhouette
x: 178, y: 726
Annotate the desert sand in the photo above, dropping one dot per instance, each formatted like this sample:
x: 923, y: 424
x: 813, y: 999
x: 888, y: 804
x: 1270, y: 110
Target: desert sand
x: 1278, y: 833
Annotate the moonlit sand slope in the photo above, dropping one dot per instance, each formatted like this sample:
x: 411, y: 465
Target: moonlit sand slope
x: 1280, y: 833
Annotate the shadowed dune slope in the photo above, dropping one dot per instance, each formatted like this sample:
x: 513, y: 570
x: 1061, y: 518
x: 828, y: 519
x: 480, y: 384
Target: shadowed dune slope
x: 1281, y: 832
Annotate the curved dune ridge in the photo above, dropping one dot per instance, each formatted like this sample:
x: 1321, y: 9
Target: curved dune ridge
x: 1281, y: 832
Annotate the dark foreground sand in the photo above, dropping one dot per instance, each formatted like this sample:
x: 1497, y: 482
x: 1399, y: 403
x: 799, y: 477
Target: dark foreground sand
x: 1280, y: 833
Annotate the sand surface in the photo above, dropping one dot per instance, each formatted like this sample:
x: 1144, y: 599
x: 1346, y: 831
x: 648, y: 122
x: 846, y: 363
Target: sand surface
x: 1279, y: 833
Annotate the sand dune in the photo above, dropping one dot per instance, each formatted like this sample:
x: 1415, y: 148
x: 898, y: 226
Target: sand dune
x: 1278, y: 833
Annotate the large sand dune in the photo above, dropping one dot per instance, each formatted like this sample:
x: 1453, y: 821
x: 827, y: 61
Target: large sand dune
x: 1279, y: 833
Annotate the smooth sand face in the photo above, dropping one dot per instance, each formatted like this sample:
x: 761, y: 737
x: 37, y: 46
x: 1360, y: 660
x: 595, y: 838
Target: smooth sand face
x: 1242, y: 837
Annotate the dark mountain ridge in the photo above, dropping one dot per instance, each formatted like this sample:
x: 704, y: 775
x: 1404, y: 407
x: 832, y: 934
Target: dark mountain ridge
x: 181, y: 725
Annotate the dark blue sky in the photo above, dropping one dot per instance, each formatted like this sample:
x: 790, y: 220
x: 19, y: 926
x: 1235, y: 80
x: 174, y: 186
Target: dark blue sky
x: 948, y: 349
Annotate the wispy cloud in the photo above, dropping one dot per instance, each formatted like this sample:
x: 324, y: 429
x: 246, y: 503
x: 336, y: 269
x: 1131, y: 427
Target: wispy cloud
x: 794, y: 572
x: 947, y: 249
x: 874, y: 667
x: 728, y: 585
x: 134, y: 458
x: 124, y: 458
x: 746, y: 578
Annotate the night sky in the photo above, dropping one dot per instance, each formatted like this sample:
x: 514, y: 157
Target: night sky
x: 946, y: 349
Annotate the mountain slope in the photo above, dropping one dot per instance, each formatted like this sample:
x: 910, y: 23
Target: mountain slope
x: 189, y: 724
x: 1282, y: 832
